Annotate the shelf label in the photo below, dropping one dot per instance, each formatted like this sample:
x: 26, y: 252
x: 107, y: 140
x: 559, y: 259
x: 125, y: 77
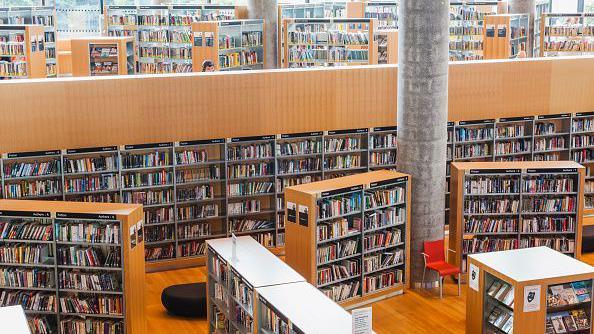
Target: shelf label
x: 77, y: 215
x: 388, y: 182
x: 251, y: 138
x: 474, y: 274
x: 202, y: 142
x: 532, y: 298
x: 341, y: 191
x: 362, y: 321
x: 10, y: 213
x: 301, y: 134
x: 478, y: 121
x: 451, y: 123
x: 303, y: 215
x: 143, y: 146
x: 553, y: 116
x: 33, y: 154
x: 291, y: 212
x: 385, y: 128
x: 550, y: 170
x: 581, y: 114
x: 494, y: 171
x: 516, y: 119
x: 347, y: 131
x: 91, y: 149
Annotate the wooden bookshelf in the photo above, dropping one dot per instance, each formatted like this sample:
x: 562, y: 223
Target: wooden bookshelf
x: 230, y: 45
x: 100, y: 56
x: 386, y: 47
x: 233, y: 279
x: 538, y: 288
x: 363, y: 231
x: 163, y: 33
x: 328, y: 42
x: 567, y: 34
x: 466, y: 28
x: 116, y: 252
x: 506, y: 36
x: 542, y: 7
x: 22, y: 52
x: 501, y: 206
x: 384, y: 12
x: 36, y: 15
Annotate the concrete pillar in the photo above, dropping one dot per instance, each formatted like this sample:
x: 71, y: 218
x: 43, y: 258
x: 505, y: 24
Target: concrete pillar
x: 525, y: 7
x: 267, y: 10
x: 422, y: 119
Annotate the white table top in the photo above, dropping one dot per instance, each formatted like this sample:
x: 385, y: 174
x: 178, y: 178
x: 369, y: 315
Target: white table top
x: 532, y: 263
x: 13, y: 320
x: 256, y: 264
x: 308, y: 308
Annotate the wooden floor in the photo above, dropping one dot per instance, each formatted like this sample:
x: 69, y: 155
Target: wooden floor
x: 414, y: 312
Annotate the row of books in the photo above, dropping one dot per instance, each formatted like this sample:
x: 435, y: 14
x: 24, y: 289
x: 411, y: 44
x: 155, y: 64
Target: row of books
x: 112, y: 305
x: 26, y: 278
x: 242, y: 292
x: 340, y: 205
x: 566, y: 31
x: 382, y: 280
x: 89, y: 281
x: 188, y: 231
x: 244, y: 207
x: 25, y: 169
x: 568, y: 46
x: 384, y: 218
x: 513, y: 147
x: 338, y: 228
x: 11, y: 49
x: 473, y: 134
x: 84, y: 326
x: 159, y: 233
x: 25, y: 230
x: 382, y: 260
x: 143, y: 160
x: 343, y: 291
x: 197, y: 192
x: 384, y: 197
x: 466, y: 45
x: 88, y: 257
x: 299, y: 165
x: 309, y: 146
x: 193, y: 212
x: 491, y: 185
x: 337, y: 250
x: 89, y: 232
x: 381, y: 240
x: 188, y: 175
x: 567, y: 322
x: 149, y: 197
x: 569, y: 294
x: 342, y: 162
x: 36, y: 188
x: 29, y: 300
x: 13, y: 69
x: 25, y: 253
x: 501, y: 319
x: 92, y: 183
x: 240, y: 152
x: 384, y: 158
x: 502, y: 291
x: 511, y: 131
x: 90, y: 164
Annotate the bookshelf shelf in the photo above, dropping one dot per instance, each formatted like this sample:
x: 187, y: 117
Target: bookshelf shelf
x: 69, y: 237
x: 315, y: 227
x: 22, y: 55
x: 551, y: 293
x: 510, y: 205
x: 100, y: 56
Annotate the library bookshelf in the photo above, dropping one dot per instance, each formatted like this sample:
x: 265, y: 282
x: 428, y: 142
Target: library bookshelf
x: 386, y: 46
x: 163, y: 33
x: 234, y: 275
x: 542, y: 7
x: 509, y: 205
x: 22, y: 52
x: 529, y: 291
x: 99, y: 56
x: 506, y: 36
x: 36, y: 15
x: 349, y: 236
x: 84, y: 253
x: 467, y: 28
x: 328, y: 42
x: 230, y: 45
x: 567, y: 34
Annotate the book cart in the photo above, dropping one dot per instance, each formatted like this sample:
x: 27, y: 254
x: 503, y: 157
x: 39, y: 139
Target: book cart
x: 508, y: 205
x: 81, y: 254
x: 506, y: 35
x: 99, y: 56
x: 230, y: 45
x: 349, y: 236
x: 528, y: 291
x: 36, y: 15
x: 22, y: 52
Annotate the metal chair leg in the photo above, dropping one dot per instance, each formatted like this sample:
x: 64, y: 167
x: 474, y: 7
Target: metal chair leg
x: 423, y: 280
x: 459, y: 291
x: 440, y: 287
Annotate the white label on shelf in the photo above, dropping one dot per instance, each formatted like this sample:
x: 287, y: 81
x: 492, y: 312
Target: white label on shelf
x: 532, y: 298
x: 362, y: 321
x: 473, y: 277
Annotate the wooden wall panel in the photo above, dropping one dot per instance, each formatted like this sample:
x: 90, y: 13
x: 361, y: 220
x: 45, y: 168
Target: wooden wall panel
x: 80, y: 112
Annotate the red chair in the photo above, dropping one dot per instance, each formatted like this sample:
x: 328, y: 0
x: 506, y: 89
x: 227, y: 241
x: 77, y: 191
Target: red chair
x: 434, y: 257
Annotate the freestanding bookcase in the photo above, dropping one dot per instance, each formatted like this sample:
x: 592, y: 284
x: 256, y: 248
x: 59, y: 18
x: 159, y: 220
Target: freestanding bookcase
x: 79, y: 254
x: 529, y: 291
x: 386, y: 46
x: 230, y: 45
x: 349, y: 236
x: 22, y: 52
x: 103, y: 56
x: 506, y: 35
x: 567, y: 34
x: 508, y: 205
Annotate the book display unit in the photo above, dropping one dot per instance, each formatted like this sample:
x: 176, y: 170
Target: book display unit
x: 84, y: 271
x: 529, y: 291
x: 328, y: 42
x: 498, y: 206
x: 542, y: 7
x: 349, y: 236
x: 506, y: 35
x: 467, y: 28
x: 231, y: 45
x: 22, y: 52
x: 163, y: 33
x: 36, y: 15
x: 103, y: 56
x: 386, y: 46
x: 234, y: 275
x: 385, y: 13
x: 566, y: 34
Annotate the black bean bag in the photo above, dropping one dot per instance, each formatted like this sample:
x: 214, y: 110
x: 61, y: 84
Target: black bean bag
x: 186, y: 300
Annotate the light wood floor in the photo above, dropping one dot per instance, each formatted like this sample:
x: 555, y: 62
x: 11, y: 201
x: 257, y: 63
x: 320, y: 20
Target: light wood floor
x: 415, y: 312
